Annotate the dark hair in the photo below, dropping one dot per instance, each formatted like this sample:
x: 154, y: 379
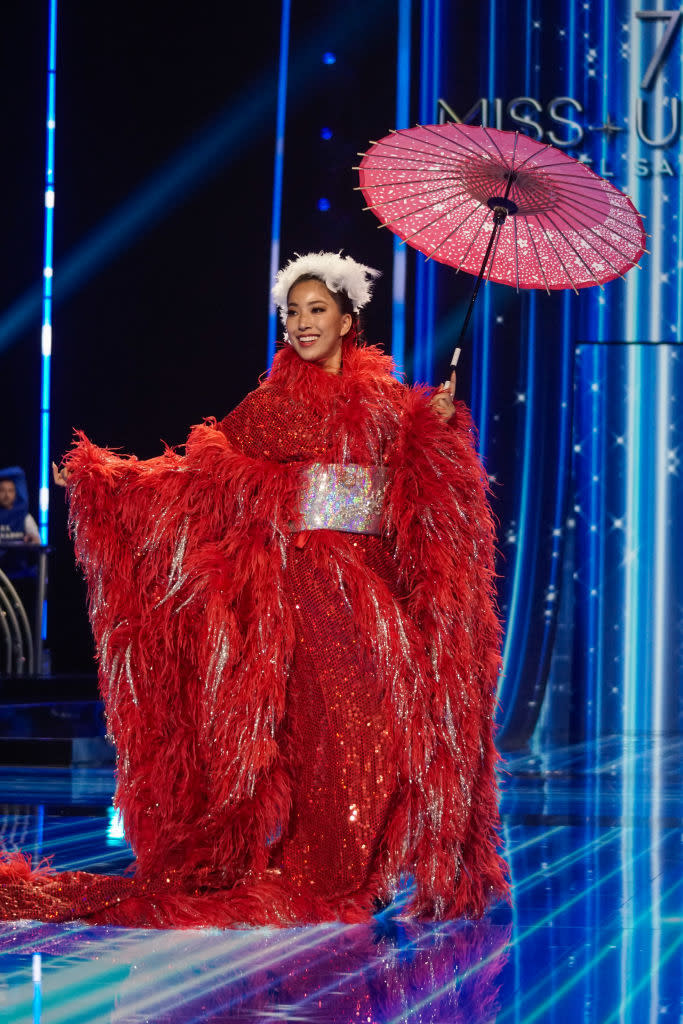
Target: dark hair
x: 8, y: 480
x: 341, y: 298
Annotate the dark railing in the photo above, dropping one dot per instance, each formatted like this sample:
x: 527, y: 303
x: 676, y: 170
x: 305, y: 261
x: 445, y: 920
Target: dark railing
x: 21, y: 628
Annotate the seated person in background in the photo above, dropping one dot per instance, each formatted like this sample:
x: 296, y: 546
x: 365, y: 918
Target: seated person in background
x: 17, y: 526
x: 16, y: 523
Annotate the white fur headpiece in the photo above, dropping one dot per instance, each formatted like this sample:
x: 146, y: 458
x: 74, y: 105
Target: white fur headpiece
x: 338, y: 273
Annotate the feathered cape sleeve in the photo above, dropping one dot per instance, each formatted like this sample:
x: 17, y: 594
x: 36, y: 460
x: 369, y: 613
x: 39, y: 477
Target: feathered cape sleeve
x: 183, y: 557
x: 439, y: 523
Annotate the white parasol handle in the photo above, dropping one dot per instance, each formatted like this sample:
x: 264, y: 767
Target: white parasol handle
x: 455, y: 358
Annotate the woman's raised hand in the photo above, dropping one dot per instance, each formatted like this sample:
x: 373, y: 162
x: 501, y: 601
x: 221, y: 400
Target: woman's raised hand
x: 60, y: 476
x: 442, y: 401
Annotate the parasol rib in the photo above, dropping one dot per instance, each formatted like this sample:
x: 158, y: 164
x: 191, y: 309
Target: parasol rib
x: 579, y: 188
x: 586, y: 209
x: 634, y: 249
x: 497, y: 149
x: 597, y: 251
x: 414, y: 149
x: 588, y: 201
x: 424, y: 227
x: 581, y: 202
x: 579, y: 185
x: 575, y: 209
x: 599, y: 215
x: 474, y: 238
x: 585, y: 182
x: 446, y: 143
x: 413, y: 195
x: 514, y: 225
x: 554, y: 172
x: 514, y: 153
x: 454, y: 142
x: 561, y: 261
x: 456, y: 228
x: 536, y: 253
x: 613, y: 231
x: 573, y: 205
x: 443, y: 165
x: 395, y: 184
x: 493, y: 254
x: 531, y: 156
x: 586, y: 197
x: 577, y: 213
x: 411, y: 213
x: 576, y: 251
x: 619, y: 220
x: 560, y: 167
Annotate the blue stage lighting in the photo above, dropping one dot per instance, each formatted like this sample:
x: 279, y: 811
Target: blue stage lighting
x: 323, y: 204
x: 46, y: 332
x: 278, y: 170
x: 329, y: 58
x: 37, y: 975
x: 201, y: 158
x: 400, y: 265
x: 425, y: 271
x: 326, y: 133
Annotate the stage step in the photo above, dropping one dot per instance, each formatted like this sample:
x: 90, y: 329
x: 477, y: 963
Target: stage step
x: 52, y: 720
x: 47, y: 689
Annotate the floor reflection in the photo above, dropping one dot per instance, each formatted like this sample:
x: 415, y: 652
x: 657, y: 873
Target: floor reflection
x: 595, y: 936
x: 371, y: 973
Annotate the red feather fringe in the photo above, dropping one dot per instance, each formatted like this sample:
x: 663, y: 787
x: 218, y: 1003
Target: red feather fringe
x: 186, y: 556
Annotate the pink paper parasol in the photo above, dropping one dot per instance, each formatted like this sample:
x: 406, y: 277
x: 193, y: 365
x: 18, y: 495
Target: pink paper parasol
x: 502, y: 206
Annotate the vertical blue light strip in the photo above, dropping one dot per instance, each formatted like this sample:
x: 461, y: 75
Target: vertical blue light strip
x: 278, y: 171
x: 658, y: 600
x: 660, y: 397
x: 422, y: 320
x: 37, y: 978
x: 46, y: 331
x: 594, y: 377
x: 565, y: 414
x: 632, y: 331
x: 482, y: 359
x: 677, y: 251
x: 594, y: 512
x: 398, y: 300
x: 514, y: 645
x: 520, y: 596
x: 433, y: 99
x: 561, y: 486
x: 40, y: 831
x: 631, y: 680
x: 425, y: 285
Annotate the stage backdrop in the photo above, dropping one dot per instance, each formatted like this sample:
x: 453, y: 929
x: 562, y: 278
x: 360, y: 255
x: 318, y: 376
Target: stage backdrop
x: 188, y: 163
x: 575, y: 397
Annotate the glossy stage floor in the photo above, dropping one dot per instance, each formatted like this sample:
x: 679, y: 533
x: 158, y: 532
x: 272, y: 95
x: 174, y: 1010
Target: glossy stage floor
x: 594, y: 839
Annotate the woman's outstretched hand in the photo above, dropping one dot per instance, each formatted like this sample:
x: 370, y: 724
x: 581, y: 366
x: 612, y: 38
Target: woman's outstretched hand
x: 60, y: 476
x: 442, y: 401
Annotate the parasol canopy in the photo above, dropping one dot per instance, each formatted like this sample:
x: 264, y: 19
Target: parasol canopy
x: 460, y: 192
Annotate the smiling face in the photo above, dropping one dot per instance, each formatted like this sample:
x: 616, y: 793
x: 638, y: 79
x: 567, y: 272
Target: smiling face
x: 316, y: 325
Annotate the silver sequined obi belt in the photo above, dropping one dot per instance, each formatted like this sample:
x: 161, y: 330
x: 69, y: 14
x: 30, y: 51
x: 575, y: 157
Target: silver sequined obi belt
x: 342, y: 497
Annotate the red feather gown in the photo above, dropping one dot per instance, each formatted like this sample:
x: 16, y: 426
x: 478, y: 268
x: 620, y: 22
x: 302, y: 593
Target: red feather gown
x: 300, y: 719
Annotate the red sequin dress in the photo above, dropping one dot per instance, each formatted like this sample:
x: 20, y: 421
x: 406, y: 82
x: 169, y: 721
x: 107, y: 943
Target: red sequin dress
x: 301, y: 718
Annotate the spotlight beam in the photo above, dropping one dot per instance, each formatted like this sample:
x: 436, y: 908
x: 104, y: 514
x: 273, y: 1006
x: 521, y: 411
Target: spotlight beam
x: 205, y: 155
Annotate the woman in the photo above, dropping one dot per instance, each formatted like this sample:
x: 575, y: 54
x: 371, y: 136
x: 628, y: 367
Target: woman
x: 297, y: 646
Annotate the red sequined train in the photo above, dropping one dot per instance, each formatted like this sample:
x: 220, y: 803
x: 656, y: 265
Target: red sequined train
x: 300, y: 719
